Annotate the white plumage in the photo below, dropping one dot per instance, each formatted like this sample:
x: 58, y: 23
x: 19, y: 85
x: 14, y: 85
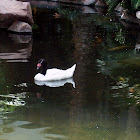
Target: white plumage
x: 54, y: 73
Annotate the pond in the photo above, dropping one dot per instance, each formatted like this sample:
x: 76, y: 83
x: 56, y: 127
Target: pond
x: 101, y: 102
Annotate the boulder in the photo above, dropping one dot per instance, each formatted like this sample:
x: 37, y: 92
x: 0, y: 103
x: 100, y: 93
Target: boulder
x: 88, y: 2
x: 20, y: 38
x: 12, y: 10
x: 138, y: 14
x: 88, y: 10
x: 119, y: 9
x: 12, y: 48
x: 101, y: 3
x: 128, y: 17
x: 20, y: 27
x: 79, y: 2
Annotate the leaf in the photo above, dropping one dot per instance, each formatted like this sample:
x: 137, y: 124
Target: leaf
x: 113, y: 4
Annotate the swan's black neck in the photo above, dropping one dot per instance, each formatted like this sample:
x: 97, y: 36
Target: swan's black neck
x: 44, y: 68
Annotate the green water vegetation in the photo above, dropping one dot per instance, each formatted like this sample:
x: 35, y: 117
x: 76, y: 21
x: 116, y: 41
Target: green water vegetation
x: 6, y: 108
x: 8, y: 103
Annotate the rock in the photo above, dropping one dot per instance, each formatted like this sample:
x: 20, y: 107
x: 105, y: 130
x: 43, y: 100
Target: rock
x: 88, y: 2
x: 22, y: 39
x: 138, y: 14
x: 45, y: 4
x: 119, y: 8
x: 137, y: 47
x: 88, y: 10
x: 20, y: 27
x: 12, y: 10
x: 127, y: 17
x: 101, y: 3
x: 101, y: 10
x: 79, y: 2
x: 12, y: 48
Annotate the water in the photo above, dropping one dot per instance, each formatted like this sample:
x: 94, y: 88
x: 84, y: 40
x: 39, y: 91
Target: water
x: 104, y: 105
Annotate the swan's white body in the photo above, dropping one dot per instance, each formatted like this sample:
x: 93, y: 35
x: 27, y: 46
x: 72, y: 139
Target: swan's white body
x: 55, y: 74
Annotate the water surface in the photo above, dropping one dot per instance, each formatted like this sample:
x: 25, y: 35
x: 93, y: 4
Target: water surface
x: 104, y: 105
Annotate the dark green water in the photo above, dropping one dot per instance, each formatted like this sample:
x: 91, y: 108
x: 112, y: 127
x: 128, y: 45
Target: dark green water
x: 104, y: 105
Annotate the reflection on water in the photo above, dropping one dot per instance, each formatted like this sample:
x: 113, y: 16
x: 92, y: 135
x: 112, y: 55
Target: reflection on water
x: 104, y: 105
x: 13, y: 99
x: 57, y: 83
x: 17, y: 49
x: 137, y: 46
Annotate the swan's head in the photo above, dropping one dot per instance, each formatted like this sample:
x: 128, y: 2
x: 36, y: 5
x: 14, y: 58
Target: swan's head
x: 41, y: 63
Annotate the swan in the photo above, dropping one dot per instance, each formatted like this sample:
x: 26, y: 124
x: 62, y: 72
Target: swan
x: 53, y: 74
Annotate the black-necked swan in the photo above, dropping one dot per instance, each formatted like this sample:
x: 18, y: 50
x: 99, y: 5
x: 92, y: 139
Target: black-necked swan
x: 54, y: 73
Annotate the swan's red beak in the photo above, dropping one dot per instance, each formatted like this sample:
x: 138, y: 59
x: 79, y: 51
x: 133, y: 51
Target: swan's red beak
x: 38, y: 66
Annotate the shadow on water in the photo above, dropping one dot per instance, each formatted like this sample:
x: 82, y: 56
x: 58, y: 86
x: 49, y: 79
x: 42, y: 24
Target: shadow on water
x: 105, y: 101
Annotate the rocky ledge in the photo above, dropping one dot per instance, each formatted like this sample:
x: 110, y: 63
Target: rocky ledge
x: 16, y: 16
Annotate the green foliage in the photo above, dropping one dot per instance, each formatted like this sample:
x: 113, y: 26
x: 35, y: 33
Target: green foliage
x: 34, y: 27
x: 6, y: 108
x: 127, y: 4
x: 112, y: 4
x: 135, y: 3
